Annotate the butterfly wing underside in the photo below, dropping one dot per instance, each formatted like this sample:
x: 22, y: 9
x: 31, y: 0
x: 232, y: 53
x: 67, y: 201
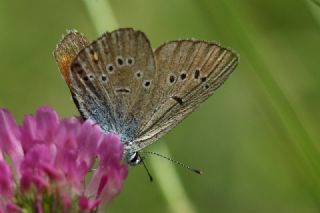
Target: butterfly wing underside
x: 111, y: 80
x: 125, y: 87
x: 188, y: 72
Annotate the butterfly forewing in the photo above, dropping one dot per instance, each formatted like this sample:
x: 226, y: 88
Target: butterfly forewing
x: 112, y: 80
x: 188, y: 72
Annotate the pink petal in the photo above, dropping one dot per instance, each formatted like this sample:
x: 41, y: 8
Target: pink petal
x: 13, y: 208
x: 88, y: 139
x: 102, y: 184
x: 47, y: 122
x: 32, y: 167
x: 10, y: 138
x: 85, y: 204
x: 110, y: 148
x: 6, y: 180
x: 28, y: 132
x: 52, y: 172
x: 39, y: 154
x: 39, y: 129
x: 107, y: 180
x: 30, y: 179
x: 114, y: 184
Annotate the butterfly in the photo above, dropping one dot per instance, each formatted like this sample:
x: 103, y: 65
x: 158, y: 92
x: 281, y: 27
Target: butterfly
x: 128, y: 88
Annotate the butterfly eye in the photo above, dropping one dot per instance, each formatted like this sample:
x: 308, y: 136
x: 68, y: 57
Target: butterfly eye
x: 134, y: 159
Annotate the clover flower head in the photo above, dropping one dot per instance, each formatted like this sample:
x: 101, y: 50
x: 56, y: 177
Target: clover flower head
x: 47, y: 164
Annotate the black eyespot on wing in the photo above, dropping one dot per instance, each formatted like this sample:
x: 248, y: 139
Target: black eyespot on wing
x: 103, y: 78
x: 110, y: 67
x: 120, y: 61
x: 147, y: 83
x: 138, y: 74
x: 203, y: 79
x: 177, y: 99
x: 172, y: 78
x: 183, y: 76
x: 197, y: 74
x: 130, y: 61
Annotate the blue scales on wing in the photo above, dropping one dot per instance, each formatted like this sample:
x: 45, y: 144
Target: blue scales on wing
x: 111, y: 81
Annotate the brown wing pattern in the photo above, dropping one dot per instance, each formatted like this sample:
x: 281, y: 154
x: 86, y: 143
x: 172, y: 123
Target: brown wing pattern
x: 188, y: 72
x: 119, y: 82
x: 112, y: 77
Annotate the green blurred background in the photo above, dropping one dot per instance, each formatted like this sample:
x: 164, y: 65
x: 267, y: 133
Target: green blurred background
x: 257, y: 138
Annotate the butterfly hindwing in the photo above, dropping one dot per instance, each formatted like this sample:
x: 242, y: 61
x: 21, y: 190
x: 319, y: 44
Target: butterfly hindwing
x: 67, y: 49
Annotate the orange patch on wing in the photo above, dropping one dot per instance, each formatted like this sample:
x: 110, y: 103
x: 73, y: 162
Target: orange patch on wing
x: 66, y: 50
x: 64, y: 62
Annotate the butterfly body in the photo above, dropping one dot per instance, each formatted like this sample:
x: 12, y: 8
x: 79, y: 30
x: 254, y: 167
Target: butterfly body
x: 140, y: 94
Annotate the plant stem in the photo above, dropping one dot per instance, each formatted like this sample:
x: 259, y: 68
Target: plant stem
x: 101, y: 15
x: 314, y: 6
x: 170, y: 184
x: 103, y: 18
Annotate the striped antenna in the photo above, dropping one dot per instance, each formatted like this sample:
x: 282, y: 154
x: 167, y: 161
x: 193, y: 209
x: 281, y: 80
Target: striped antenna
x: 199, y: 172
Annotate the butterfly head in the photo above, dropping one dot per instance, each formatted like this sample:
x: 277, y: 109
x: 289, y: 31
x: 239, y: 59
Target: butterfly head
x: 133, y: 158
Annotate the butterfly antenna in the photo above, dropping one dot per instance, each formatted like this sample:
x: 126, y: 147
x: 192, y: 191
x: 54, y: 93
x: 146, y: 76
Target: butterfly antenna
x: 199, y: 172
x: 145, y: 166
